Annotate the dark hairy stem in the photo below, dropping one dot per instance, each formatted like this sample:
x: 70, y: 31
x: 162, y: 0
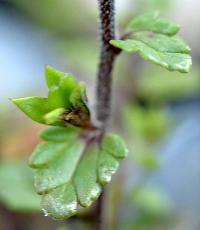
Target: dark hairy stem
x: 104, y: 83
x: 107, y: 57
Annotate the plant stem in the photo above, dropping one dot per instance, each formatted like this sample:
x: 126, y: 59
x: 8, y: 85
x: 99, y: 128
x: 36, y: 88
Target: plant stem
x: 104, y: 83
x: 98, y: 214
x: 107, y: 57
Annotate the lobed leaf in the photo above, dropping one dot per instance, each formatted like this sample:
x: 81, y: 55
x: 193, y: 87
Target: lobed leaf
x: 58, y: 134
x: 68, y: 175
x: 85, y: 179
x: 163, y: 43
x: 173, y: 61
x: 114, y: 145
x: 162, y: 48
x: 153, y: 23
x: 61, y: 202
x: 60, y: 170
x: 107, y: 166
x: 45, y: 153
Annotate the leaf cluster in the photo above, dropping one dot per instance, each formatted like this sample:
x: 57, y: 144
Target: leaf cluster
x: 66, y: 102
x: 70, y: 171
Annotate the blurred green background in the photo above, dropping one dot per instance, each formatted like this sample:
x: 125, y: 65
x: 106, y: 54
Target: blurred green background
x: 157, y: 111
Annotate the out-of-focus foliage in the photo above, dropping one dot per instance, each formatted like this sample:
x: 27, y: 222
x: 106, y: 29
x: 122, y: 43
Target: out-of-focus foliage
x: 64, y: 17
x: 151, y: 201
x: 147, y: 123
x: 146, y: 5
x: 17, y: 190
x: 158, y: 86
x: 63, y: 228
x: 81, y: 53
x: 145, y: 126
x: 151, y: 209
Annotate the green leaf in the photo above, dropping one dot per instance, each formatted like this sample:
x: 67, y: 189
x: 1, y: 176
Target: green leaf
x: 114, y: 145
x: 163, y: 43
x: 68, y: 174
x: 153, y: 23
x: 61, y: 202
x: 85, y: 179
x: 55, y: 98
x: 113, y: 149
x: 45, y: 153
x: 34, y: 107
x: 60, y: 170
x: 53, y: 77
x: 66, y: 102
x: 58, y: 134
x: 107, y: 166
x: 162, y: 48
x: 61, y: 85
x: 170, y: 60
x: 67, y: 84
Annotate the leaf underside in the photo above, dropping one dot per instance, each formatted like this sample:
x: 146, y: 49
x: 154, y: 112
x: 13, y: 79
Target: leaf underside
x: 163, y: 47
x: 69, y: 174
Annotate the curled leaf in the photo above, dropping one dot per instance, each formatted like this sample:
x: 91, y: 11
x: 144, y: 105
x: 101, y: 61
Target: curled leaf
x: 34, y: 107
x: 66, y: 102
